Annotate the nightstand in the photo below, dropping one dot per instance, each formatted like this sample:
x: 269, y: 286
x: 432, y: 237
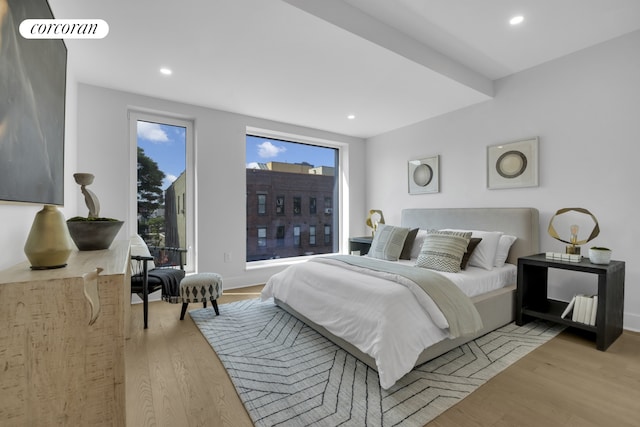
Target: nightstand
x: 532, y: 301
x: 362, y: 244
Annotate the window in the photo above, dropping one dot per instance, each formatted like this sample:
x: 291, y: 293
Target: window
x: 162, y: 150
x: 312, y: 205
x: 327, y: 206
x: 294, y: 171
x: 280, y: 205
x: 297, y: 205
x: 262, y: 204
x: 327, y: 234
x: 312, y: 235
x: 296, y: 236
x: 262, y: 237
x: 280, y: 236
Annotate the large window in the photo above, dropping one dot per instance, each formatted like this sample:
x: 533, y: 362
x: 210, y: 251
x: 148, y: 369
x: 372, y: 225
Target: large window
x: 294, y: 178
x: 163, y: 210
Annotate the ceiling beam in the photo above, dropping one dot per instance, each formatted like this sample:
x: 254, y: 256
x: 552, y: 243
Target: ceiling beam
x: 353, y: 20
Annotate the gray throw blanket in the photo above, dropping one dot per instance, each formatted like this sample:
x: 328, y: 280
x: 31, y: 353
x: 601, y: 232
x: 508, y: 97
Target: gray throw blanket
x: 457, y: 308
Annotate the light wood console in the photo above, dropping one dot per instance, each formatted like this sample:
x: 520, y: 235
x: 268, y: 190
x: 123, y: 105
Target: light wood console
x: 55, y: 367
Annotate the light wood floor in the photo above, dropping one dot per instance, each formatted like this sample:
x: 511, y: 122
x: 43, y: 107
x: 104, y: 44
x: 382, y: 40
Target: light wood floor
x: 175, y: 379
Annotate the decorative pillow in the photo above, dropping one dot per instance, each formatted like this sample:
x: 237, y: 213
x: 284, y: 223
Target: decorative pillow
x: 443, y: 250
x: 408, y: 244
x: 504, y: 245
x: 417, y: 243
x: 484, y: 255
x: 388, y: 242
x: 140, y: 248
x: 470, y: 248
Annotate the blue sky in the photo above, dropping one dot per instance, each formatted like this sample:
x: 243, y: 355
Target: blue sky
x: 263, y: 150
x: 166, y: 145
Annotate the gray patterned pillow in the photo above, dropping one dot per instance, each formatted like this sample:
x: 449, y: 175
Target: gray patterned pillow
x: 443, y: 250
x: 388, y: 242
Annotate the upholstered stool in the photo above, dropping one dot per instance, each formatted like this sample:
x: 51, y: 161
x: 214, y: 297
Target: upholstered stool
x: 200, y: 287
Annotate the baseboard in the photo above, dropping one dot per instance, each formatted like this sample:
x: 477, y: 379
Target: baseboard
x: 632, y: 322
x: 154, y: 296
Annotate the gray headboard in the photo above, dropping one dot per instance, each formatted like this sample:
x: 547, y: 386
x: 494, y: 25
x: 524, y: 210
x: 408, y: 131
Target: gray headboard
x: 520, y: 222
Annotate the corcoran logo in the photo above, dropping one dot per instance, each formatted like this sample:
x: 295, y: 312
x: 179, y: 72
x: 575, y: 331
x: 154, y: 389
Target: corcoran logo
x: 64, y: 29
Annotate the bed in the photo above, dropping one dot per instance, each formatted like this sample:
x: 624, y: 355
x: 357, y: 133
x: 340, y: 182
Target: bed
x: 382, y: 320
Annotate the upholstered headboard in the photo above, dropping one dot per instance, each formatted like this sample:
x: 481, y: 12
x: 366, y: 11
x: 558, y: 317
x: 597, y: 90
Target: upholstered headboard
x: 520, y: 222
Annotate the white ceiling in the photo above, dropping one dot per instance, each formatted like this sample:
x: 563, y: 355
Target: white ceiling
x: 313, y: 62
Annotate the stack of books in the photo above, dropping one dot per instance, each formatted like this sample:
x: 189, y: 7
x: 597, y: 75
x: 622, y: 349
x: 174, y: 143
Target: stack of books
x: 583, y: 309
x: 558, y: 256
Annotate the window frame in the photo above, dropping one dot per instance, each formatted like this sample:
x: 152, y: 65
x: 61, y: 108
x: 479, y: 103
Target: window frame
x: 327, y: 234
x: 280, y: 204
x: 313, y: 205
x: 313, y: 235
x: 263, y: 204
x: 297, y: 232
x: 260, y: 238
x: 297, y: 205
x: 341, y: 203
x: 189, y: 205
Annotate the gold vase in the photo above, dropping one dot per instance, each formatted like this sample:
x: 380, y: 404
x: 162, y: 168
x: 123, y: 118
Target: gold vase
x: 49, y: 243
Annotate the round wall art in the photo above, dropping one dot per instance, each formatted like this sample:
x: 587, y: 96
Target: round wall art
x: 513, y: 165
x: 424, y: 175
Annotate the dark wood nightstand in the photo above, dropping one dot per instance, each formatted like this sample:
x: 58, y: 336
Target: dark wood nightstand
x: 532, y: 301
x: 362, y: 244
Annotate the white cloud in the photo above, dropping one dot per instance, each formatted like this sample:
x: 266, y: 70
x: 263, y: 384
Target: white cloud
x: 168, y: 180
x: 267, y: 150
x: 253, y: 165
x: 151, y: 132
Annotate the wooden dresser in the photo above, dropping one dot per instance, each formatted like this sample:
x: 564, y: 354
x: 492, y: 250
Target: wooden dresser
x: 55, y: 367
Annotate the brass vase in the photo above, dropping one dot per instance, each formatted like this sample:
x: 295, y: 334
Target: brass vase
x: 49, y: 243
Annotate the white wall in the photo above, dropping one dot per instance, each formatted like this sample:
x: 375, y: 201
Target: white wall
x: 104, y: 150
x: 16, y: 218
x: 585, y: 108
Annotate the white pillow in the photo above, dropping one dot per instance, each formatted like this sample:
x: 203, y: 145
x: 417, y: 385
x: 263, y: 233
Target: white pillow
x: 504, y: 245
x: 417, y: 243
x: 484, y: 255
x: 139, y: 248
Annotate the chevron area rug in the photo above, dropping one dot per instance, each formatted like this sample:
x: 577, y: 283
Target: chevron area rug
x: 287, y: 374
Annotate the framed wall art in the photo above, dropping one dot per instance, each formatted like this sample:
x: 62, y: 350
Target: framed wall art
x: 513, y: 165
x: 424, y: 175
x: 32, y: 107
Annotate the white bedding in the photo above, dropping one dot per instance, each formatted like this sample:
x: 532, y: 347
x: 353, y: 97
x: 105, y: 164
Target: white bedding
x: 379, y: 317
x: 476, y: 281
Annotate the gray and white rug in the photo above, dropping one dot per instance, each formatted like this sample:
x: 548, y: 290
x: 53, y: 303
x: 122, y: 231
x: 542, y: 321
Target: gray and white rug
x: 289, y: 375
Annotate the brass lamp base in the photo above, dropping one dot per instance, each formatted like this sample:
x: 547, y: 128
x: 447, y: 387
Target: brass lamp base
x: 571, y: 249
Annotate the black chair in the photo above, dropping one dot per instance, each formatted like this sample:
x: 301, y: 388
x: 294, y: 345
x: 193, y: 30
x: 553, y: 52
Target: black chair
x: 165, y: 275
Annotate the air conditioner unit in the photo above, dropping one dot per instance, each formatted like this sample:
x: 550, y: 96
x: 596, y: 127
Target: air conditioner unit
x: 328, y: 211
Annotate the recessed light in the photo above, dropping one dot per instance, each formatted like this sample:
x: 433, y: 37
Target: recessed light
x: 516, y: 20
x: 166, y: 71
x: 351, y: 116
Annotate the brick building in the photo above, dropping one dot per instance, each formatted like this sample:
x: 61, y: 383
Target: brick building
x: 290, y: 211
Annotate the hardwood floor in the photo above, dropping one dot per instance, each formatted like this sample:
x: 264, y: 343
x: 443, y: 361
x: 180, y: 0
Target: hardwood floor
x: 175, y: 379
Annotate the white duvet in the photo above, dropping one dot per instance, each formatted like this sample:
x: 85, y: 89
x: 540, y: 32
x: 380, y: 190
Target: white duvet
x: 379, y: 317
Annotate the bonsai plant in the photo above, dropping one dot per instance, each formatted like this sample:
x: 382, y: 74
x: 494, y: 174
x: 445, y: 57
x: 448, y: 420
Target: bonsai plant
x: 93, y: 232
